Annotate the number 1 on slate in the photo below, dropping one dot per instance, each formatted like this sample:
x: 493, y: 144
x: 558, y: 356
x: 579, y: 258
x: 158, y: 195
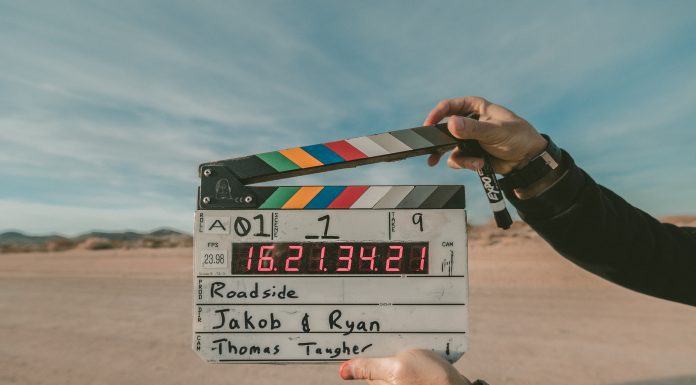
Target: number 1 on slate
x: 326, y: 235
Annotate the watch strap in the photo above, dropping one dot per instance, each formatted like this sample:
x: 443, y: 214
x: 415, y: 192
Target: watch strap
x: 537, y: 168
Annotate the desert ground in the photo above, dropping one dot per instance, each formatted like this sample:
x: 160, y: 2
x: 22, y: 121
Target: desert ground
x: 124, y: 317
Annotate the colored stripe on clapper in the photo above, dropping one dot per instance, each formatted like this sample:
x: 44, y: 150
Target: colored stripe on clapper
x: 345, y: 150
x: 348, y: 197
x: 367, y: 146
x: 325, y: 197
x: 278, y: 161
x: 353, y: 149
x: 389, y: 143
x: 361, y: 197
x: 393, y: 197
x: 302, y: 197
x: 370, y: 197
x: 279, y: 197
x: 416, y: 197
x: 323, y: 154
x: 300, y: 157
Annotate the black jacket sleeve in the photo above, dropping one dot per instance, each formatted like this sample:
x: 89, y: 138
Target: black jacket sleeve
x: 600, y: 232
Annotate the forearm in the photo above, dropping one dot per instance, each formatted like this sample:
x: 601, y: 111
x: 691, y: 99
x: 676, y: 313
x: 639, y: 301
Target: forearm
x: 599, y: 231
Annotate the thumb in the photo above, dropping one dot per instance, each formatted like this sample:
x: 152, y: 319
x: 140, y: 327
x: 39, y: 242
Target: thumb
x: 365, y: 369
x: 465, y: 128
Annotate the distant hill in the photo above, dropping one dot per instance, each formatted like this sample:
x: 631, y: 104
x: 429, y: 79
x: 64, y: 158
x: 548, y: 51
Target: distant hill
x: 15, y: 241
x: 15, y: 237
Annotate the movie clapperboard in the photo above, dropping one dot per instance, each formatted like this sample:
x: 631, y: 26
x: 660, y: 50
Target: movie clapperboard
x: 295, y: 274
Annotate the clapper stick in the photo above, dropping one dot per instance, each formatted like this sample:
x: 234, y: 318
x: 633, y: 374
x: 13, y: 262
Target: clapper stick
x: 225, y: 183
x: 385, y: 147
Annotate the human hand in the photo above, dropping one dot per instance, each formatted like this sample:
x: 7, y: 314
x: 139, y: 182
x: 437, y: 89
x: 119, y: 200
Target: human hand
x: 510, y: 140
x: 410, y: 367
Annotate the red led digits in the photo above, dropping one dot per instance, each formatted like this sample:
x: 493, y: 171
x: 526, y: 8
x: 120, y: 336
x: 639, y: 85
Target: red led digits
x: 360, y: 258
x: 266, y: 255
x: 316, y: 258
x: 417, y: 258
x: 424, y: 251
x: 365, y: 257
x: 347, y: 258
x: 397, y: 258
x: 250, y: 257
x: 293, y: 258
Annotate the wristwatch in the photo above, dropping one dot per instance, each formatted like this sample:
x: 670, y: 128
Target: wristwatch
x: 537, y: 168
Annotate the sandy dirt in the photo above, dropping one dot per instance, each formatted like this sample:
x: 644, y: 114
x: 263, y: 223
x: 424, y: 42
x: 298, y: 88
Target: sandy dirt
x: 124, y: 317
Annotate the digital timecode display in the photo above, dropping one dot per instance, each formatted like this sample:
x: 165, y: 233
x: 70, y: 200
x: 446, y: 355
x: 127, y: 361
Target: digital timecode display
x: 330, y: 258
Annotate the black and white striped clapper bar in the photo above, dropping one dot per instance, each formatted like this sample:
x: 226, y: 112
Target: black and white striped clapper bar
x: 307, y: 274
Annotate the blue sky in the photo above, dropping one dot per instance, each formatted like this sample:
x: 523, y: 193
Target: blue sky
x: 107, y: 108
